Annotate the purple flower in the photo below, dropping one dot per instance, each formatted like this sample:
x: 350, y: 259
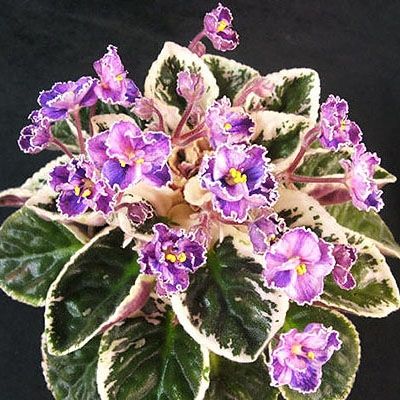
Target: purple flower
x: 345, y: 257
x: 359, y: 172
x: 144, y: 108
x: 265, y: 230
x: 126, y: 155
x: 240, y: 179
x: 336, y: 129
x: 64, y: 98
x: 80, y: 189
x: 298, y: 263
x: 114, y: 87
x: 298, y: 358
x: 170, y: 257
x: 36, y: 136
x: 218, y: 28
x: 190, y: 86
x: 226, y: 125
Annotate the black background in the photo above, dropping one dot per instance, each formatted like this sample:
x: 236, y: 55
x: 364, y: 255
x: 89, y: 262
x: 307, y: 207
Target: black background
x: 354, y: 45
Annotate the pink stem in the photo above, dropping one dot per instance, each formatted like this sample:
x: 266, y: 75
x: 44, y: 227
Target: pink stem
x: 183, y: 121
x: 192, y: 138
x: 78, y: 125
x: 161, y: 126
x: 62, y: 147
x: 315, y: 179
x: 309, y: 138
x: 92, y: 113
x: 191, y: 134
x: 196, y: 40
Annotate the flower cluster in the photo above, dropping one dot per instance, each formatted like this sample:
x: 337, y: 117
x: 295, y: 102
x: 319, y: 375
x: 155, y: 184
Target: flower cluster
x: 176, y: 177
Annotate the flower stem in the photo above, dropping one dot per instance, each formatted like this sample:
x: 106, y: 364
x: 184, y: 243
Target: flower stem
x: 78, y: 125
x: 62, y: 147
x: 196, y: 40
x: 92, y: 113
x: 309, y: 138
x: 183, y: 121
x: 316, y: 179
x: 161, y: 125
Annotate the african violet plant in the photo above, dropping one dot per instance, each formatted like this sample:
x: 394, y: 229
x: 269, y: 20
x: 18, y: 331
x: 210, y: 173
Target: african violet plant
x: 200, y: 240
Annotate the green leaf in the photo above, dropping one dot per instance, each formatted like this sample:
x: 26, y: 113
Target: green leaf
x: 296, y: 91
x: 227, y: 308
x: 280, y: 133
x: 151, y: 358
x: 162, y: 77
x: 231, y: 75
x: 338, y: 374
x: 73, y: 376
x: 32, y: 253
x: 65, y: 132
x: 376, y: 294
x: 369, y: 224
x: 249, y: 381
x: 92, y: 292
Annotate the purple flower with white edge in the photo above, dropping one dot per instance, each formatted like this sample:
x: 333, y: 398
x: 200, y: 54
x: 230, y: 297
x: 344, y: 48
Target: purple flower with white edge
x: 297, y: 263
x: 114, y: 87
x: 218, y: 28
x: 126, y: 155
x: 144, y: 108
x: 345, y: 257
x: 80, y: 189
x: 336, y: 129
x: 264, y: 231
x: 190, y: 86
x: 239, y: 179
x: 67, y: 97
x: 359, y: 179
x: 36, y: 136
x: 226, y: 125
x: 298, y: 358
x: 171, y: 256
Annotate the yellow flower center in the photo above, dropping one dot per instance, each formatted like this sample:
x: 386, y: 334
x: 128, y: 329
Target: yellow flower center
x: 235, y: 177
x: 222, y: 25
x: 84, y: 192
x: 140, y: 161
x: 296, y: 349
x: 301, y: 269
x: 122, y: 163
x: 181, y: 257
x: 343, y: 125
x: 311, y: 355
x: 227, y: 126
x: 119, y: 77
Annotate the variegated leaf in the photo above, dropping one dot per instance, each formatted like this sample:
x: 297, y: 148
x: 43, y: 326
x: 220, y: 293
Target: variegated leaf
x: 72, y: 376
x: 227, y: 308
x: 98, y: 287
x: 296, y: 91
x: 32, y: 253
x: 231, y: 75
x: 151, y: 357
x: 367, y: 223
x: 162, y: 77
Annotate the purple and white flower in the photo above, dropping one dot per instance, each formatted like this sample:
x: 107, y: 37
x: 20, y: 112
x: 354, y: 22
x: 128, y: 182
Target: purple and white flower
x: 218, y: 28
x: 359, y: 172
x: 297, y: 263
x: 336, y: 129
x: 67, y: 97
x: 227, y: 125
x: 239, y: 179
x: 171, y: 256
x: 264, y: 231
x: 298, y: 358
x: 126, y: 155
x: 345, y: 257
x: 114, y: 87
x: 36, y: 136
x: 190, y: 86
x: 80, y: 189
